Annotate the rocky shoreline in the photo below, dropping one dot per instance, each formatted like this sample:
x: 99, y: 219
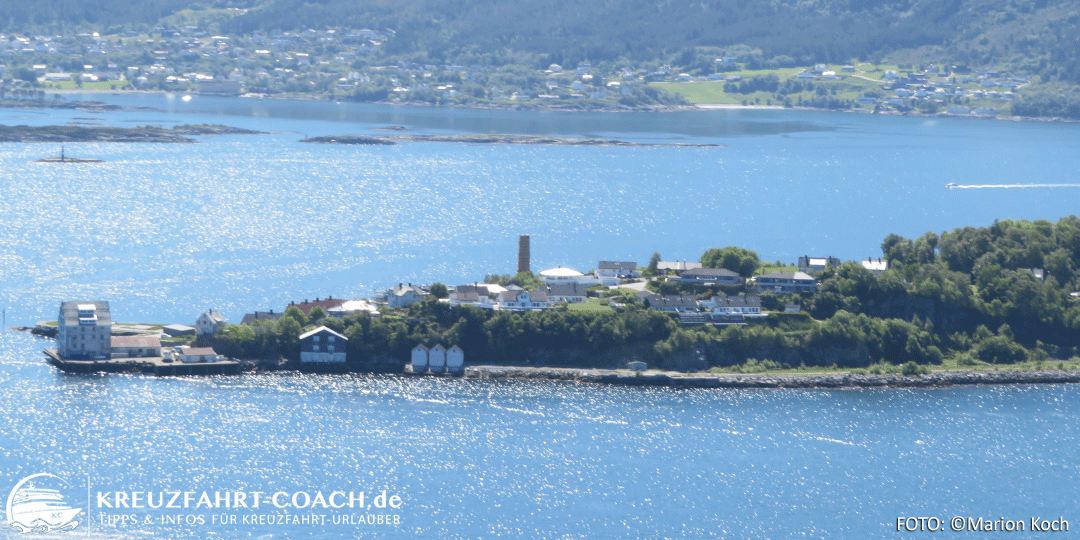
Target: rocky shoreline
x: 490, y: 139
x: 765, y: 380
x: 139, y: 134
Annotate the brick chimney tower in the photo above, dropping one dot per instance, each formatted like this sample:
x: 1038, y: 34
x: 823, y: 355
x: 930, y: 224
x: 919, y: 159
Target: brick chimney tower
x: 523, y: 253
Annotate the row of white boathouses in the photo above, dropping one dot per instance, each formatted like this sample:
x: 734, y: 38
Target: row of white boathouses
x: 438, y: 359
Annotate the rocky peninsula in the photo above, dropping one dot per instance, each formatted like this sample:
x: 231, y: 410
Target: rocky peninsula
x: 139, y: 134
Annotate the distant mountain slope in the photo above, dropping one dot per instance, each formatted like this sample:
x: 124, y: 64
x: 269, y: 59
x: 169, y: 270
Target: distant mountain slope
x: 1036, y: 36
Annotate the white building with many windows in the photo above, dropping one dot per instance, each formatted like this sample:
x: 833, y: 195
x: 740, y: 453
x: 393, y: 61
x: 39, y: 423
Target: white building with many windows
x: 84, y: 330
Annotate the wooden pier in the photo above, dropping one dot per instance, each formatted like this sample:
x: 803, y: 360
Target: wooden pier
x: 153, y: 366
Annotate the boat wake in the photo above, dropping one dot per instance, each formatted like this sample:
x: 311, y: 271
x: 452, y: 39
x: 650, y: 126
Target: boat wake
x: 988, y: 186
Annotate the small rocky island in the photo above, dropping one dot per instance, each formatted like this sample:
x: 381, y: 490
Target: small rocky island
x: 138, y: 134
x: 487, y: 139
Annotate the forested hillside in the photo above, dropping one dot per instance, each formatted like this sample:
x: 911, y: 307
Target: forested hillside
x: 1034, y: 36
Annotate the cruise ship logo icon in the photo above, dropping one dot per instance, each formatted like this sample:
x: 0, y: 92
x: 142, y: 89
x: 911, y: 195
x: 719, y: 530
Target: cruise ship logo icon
x: 36, y: 504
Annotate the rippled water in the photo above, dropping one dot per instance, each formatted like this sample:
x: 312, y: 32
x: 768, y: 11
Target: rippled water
x: 476, y: 459
x: 239, y: 223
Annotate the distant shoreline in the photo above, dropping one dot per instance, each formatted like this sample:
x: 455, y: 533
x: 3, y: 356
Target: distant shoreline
x: 536, y: 107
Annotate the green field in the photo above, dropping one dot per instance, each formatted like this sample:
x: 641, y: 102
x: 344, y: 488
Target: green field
x: 594, y: 305
x: 844, y: 87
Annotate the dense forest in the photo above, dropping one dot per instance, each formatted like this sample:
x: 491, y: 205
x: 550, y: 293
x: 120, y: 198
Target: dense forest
x: 968, y: 296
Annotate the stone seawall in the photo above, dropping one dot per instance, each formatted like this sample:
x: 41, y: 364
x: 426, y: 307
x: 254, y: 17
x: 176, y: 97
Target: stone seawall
x: 764, y: 380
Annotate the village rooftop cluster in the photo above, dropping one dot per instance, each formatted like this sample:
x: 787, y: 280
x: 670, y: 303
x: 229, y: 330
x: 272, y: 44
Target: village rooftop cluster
x: 86, y: 334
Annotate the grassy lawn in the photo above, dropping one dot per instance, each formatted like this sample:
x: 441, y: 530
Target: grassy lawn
x: 769, y: 268
x: 70, y: 85
x: 594, y: 305
x: 845, y: 86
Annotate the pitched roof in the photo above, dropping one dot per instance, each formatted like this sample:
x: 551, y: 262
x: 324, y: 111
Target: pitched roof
x: 565, y: 289
x: 615, y: 265
x: 322, y: 330
x: 306, y: 306
x: 260, y: 316
x: 127, y: 342
x: 737, y: 301
x: 710, y: 272
x: 788, y: 275
x: 534, y: 296
x: 672, y: 301
x: 215, y: 316
x: 197, y: 351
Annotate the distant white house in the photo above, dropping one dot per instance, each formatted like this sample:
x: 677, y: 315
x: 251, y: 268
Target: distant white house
x: 676, y: 266
x: 419, y: 358
x: 877, y: 266
x: 746, y: 306
x: 193, y: 355
x: 437, y: 358
x: 403, y: 295
x: 572, y: 293
x: 613, y: 272
x: 455, y: 360
x: 323, y: 346
x: 785, y: 282
x: 523, y: 300
x: 709, y: 276
x: 353, y: 307
x: 566, y: 275
x: 210, y: 322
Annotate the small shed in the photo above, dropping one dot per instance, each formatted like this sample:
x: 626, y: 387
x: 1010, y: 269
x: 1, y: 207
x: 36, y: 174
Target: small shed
x: 176, y: 330
x: 455, y: 360
x: 197, y: 354
x: 419, y: 358
x: 637, y: 366
x: 437, y: 359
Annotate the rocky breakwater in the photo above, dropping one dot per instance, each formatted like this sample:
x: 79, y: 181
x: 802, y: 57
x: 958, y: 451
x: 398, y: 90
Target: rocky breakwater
x: 765, y: 380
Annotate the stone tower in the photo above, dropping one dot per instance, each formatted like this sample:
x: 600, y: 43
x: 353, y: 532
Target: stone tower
x: 523, y: 253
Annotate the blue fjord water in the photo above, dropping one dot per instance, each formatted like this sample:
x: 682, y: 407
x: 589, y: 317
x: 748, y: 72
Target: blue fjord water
x: 250, y: 222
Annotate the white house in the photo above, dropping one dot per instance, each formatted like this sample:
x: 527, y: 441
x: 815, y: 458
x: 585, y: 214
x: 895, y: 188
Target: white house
x: 455, y: 360
x: 677, y: 304
x: 84, y: 330
x: 708, y: 276
x: 613, y: 272
x: 878, y: 266
x: 785, y: 282
x: 209, y: 322
x: 676, y: 266
x: 353, y: 307
x: 192, y: 355
x: 572, y: 293
x: 815, y: 264
x: 746, y: 306
x: 419, y: 358
x: 403, y: 295
x: 436, y: 358
x: 322, y: 346
x: 523, y: 300
x: 566, y: 275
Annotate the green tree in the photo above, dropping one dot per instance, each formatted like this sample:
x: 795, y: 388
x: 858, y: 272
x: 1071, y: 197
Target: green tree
x: 438, y: 290
x: 295, y: 314
x: 654, y: 265
x: 317, y: 314
x: 739, y: 260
